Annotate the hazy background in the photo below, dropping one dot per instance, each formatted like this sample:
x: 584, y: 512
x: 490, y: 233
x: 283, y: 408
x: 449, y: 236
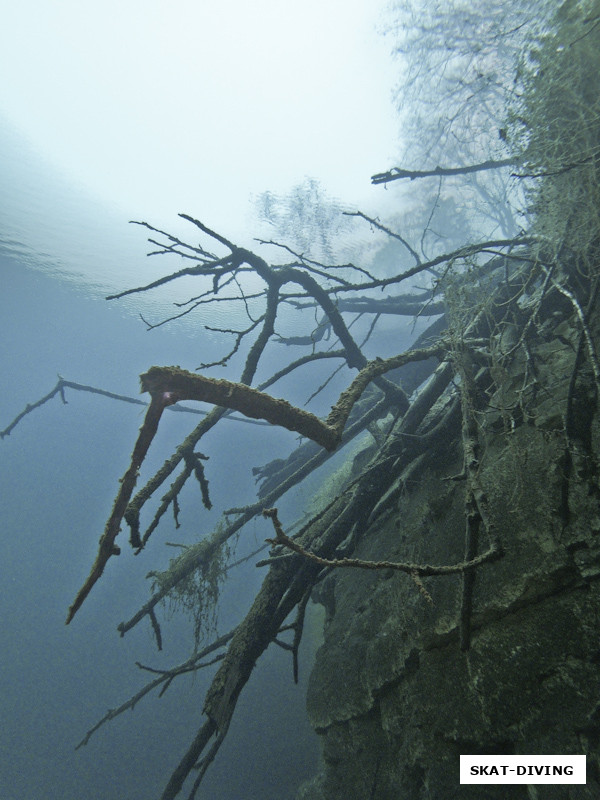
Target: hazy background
x: 109, y: 112
x: 158, y: 107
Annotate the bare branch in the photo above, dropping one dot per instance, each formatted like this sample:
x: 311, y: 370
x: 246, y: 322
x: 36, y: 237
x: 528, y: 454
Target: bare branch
x: 396, y: 173
x: 201, y: 269
x: 60, y: 387
x: 376, y: 224
x: 63, y: 384
x: 175, y: 242
x: 463, y: 252
x: 164, y: 679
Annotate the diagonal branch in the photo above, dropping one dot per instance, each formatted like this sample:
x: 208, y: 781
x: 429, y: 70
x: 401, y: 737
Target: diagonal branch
x: 164, y: 679
x: 107, y: 547
x: 376, y: 224
x: 201, y: 269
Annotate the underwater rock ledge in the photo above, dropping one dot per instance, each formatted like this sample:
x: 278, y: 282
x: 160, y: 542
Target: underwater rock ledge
x: 392, y: 695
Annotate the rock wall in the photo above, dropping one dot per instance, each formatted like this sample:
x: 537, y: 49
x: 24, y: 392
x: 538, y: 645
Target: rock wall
x: 393, y: 696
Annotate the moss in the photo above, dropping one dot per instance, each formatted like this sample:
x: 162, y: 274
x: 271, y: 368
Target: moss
x: 197, y: 593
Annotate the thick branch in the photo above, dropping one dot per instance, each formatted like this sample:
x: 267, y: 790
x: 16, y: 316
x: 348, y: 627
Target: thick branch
x: 248, y: 401
x: 251, y: 638
x: 183, y: 385
x: 107, y: 547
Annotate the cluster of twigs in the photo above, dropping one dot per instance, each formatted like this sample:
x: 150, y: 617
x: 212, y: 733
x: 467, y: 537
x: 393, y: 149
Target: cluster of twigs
x: 492, y: 300
x: 445, y: 357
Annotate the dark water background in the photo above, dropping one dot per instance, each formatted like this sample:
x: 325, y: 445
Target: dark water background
x: 59, y: 473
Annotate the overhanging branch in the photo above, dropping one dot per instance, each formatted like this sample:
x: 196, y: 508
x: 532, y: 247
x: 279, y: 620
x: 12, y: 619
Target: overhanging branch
x: 396, y: 173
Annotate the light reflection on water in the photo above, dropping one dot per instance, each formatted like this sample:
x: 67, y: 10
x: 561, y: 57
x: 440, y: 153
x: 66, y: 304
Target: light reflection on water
x: 50, y: 225
x: 47, y: 223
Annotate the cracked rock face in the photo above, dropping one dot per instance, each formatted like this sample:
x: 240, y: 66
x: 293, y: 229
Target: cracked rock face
x: 393, y: 696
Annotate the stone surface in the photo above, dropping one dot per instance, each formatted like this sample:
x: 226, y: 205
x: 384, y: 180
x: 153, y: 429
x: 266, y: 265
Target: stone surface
x: 394, y: 698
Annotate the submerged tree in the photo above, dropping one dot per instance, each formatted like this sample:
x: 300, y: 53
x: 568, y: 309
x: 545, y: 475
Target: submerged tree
x: 491, y: 300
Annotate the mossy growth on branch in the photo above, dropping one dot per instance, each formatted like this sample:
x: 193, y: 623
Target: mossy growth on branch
x: 195, y: 592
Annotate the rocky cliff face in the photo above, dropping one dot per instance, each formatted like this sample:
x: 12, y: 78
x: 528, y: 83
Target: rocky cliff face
x: 392, y: 694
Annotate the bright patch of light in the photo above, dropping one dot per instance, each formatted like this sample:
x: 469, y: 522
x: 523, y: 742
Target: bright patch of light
x: 193, y: 105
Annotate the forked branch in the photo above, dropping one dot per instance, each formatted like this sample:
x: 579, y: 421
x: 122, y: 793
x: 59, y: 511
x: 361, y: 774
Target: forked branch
x: 168, y: 385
